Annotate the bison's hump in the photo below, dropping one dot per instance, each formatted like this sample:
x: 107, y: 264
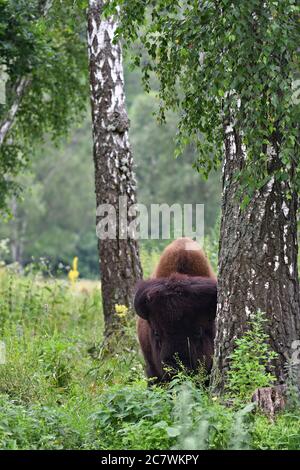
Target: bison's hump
x: 179, y: 292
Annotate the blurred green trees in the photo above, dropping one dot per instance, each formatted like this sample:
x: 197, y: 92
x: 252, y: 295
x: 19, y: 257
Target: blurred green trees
x: 43, y: 77
x: 56, y: 216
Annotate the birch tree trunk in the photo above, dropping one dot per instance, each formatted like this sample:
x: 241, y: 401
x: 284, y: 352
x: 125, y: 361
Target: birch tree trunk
x: 257, y: 262
x: 120, y: 266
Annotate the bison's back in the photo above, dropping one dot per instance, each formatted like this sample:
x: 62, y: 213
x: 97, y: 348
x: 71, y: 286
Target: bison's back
x: 184, y: 256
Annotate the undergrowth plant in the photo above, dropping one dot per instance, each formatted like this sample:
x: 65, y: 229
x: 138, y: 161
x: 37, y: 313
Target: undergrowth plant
x: 60, y: 389
x: 251, y: 361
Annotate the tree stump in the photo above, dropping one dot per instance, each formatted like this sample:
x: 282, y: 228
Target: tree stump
x: 270, y: 399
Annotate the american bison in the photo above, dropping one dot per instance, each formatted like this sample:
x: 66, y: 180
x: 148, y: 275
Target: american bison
x: 176, y: 310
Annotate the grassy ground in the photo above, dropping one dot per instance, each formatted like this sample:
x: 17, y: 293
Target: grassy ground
x: 58, y: 389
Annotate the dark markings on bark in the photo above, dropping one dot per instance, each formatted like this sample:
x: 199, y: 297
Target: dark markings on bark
x: 119, y: 258
x: 257, y: 263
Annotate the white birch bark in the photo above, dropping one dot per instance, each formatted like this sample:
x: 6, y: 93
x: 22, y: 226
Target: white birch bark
x: 114, y: 178
x: 257, y: 262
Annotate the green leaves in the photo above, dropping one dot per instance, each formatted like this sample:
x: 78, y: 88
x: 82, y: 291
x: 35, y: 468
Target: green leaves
x: 251, y: 361
x: 50, y: 51
x: 219, y: 59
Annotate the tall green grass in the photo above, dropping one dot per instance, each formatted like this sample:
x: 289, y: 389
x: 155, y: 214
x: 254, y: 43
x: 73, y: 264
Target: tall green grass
x: 60, y: 389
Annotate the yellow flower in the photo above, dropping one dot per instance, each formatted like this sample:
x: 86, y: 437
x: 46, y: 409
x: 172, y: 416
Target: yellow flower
x: 121, y: 310
x: 73, y: 273
x: 121, y: 315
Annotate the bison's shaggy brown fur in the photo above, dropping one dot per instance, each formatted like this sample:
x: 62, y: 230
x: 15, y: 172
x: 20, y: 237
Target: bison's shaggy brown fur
x: 177, y: 310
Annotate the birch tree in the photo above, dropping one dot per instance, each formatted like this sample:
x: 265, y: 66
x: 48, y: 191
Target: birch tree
x: 230, y: 68
x: 114, y: 178
x: 43, y: 55
x: 21, y: 83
